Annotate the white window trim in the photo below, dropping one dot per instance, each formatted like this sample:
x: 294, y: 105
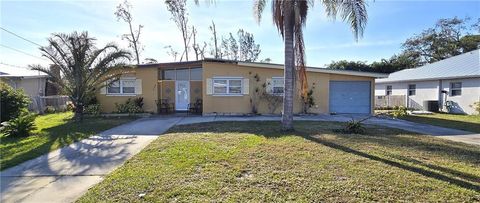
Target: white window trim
x: 408, y: 89
x: 121, y: 88
x: 386, y: 90
x: 228, y: 86
x: 456, y: 88
x: 273, y: 86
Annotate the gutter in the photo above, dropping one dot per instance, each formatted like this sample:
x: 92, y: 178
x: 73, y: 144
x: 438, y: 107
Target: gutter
x: 429, y: 79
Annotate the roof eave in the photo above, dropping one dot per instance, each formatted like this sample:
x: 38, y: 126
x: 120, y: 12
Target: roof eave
x: 429, y: 79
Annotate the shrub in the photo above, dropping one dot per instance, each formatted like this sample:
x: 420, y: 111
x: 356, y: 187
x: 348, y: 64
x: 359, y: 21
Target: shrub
x: 20, y: 126
x: 399, y: 111
x: 130, y: 106
x: 70, y: 106
x: 355, y: 127
x: 476, y: 106
x: 49, y: 109
x: 93, y: 109
x: 12, y: 102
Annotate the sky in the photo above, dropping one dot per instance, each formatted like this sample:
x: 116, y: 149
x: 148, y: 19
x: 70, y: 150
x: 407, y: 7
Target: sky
x: 389, y: 24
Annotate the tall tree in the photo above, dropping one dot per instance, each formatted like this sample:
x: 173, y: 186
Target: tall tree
x: 84, y: 68
x: 449, y: 37
x: 197, y: 49
x: 248, y: 49
x: 123, y: 13
x: 290, y: 16
x: 178, y: 9
x: 215, y: 52
x: 230, y: 48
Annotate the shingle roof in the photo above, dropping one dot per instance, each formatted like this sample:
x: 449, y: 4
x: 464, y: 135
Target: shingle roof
x: 462, y: 66
x: 19, y: 72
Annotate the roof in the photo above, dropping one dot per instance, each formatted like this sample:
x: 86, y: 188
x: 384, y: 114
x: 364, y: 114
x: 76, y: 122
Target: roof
x: 7, y: 72
x: 268, y: 65
x: 465, y: 65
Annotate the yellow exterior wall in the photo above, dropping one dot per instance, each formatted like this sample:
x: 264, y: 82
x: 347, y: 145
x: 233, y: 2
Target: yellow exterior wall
x: 195, y: 91
x: 154, y: 89
x: 149, y: 92
x: 167, y: 90
x: 241, y: 104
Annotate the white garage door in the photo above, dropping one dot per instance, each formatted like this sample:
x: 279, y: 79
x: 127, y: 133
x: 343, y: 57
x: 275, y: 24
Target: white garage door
x: 350, y: 97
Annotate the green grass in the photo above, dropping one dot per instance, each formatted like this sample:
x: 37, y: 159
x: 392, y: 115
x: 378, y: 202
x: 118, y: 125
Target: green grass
x: 255, y: 162
x: 53, y: 131
x: 462, y: 122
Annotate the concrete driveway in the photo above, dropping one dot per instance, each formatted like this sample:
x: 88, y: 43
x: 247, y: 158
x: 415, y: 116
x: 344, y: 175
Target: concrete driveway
x: 65, y: 174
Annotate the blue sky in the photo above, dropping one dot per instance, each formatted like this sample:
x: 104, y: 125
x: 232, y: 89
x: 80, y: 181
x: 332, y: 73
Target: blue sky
x: 390, y: 23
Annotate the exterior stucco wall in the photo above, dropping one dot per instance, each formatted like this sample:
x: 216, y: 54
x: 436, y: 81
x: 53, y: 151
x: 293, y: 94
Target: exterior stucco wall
x: 429, y: 90
x: 213, y: 104
x: 149, y: 92
x: 470, y: 94
x: 425, y: 90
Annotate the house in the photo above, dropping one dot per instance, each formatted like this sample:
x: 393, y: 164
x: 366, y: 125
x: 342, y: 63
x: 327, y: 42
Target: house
x: 453, y: 82
x: 235, y: 88
x: 32, y: 82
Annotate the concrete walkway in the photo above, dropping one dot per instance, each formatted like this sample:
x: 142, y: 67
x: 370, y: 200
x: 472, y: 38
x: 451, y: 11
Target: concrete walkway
x: 66, y: 174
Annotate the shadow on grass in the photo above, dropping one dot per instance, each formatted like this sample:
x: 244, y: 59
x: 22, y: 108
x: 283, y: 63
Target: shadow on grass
x: 23, y: 149
x: 455, y: 124
x: 381, y: 136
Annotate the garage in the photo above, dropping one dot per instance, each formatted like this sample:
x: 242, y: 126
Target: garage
x: 350, y: 97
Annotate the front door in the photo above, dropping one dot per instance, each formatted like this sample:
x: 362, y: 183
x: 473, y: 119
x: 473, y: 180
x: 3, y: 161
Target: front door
x: 182, y: 95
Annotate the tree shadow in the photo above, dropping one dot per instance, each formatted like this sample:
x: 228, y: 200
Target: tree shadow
x: 57, y: 136
x: 455, y: 124
x: 386, y: 137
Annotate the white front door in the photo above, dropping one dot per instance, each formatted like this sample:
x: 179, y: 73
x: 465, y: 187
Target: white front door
x: 182, y: 95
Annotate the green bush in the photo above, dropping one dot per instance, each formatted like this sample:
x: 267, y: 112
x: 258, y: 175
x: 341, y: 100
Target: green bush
x: 130, y: 106
x: 49, y: 109
x: 476, y: 106
x: 12, y: 102
x: 399, y: 111
x: 355, y: 127
x: 93, y: 109
x: 20, y: 126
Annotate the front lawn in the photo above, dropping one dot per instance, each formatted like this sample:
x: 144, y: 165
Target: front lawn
x: 462, y: 122
x: 53, y: 131
x: 255, y: 162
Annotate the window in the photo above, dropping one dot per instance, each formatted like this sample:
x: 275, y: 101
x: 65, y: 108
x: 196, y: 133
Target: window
x: 114, y: 87
x: 196, y: 74
x: 227, y: 86
x: 277, y: 85
x: 412, y: 89
x: 455, y: 89
x: 182, y: 74
x: 122, y: 86
x: 168, y: 74
x: 388, y: 90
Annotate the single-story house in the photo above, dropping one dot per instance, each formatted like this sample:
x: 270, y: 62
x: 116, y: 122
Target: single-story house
x: 235, y: 87
x: 453, y: 82
x: 32, y: 82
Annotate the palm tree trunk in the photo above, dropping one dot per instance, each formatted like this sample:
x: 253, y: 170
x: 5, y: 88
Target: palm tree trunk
x: 287, y: 116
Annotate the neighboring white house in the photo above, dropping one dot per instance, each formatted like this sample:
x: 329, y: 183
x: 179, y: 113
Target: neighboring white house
x: 32, y: 82
x: 454, y: 81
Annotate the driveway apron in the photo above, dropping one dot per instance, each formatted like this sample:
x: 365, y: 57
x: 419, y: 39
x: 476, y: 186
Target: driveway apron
x: 65, y: 174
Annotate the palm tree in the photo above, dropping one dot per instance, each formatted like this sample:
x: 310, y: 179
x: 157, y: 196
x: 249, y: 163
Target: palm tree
x: 290, y: 17
x: 84, y: 68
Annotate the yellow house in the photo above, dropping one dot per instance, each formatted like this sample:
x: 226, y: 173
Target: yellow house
x: 239, y: 88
